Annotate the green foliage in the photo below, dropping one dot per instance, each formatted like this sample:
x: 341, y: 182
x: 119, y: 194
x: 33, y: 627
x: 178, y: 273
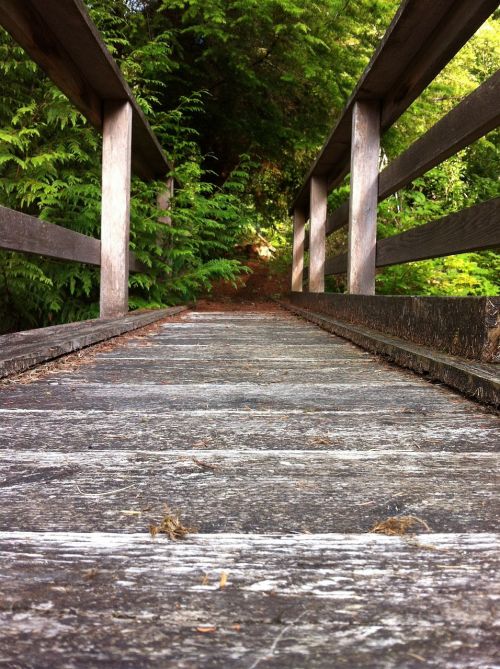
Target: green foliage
x: 241, y: 94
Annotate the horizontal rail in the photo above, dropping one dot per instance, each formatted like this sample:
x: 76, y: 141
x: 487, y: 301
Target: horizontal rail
x: 474, y: 117
x: 61, y: 38
x: 474, y: 229
x: 27, y: 234
x: 423, y: 37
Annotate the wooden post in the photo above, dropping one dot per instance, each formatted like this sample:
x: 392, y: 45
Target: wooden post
x: 115, y: 211
x: 164, y: 199
x: 317, y: 234
x: 299, y: 223
x: 364, y: 195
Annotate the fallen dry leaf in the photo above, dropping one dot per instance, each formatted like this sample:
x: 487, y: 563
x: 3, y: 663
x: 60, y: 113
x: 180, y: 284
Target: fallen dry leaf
x: 223, y: 580
x: 206, y: 629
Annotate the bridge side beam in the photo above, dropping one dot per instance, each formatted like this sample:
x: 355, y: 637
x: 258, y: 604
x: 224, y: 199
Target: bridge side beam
x: 364, y: 197
x: 115, y: 211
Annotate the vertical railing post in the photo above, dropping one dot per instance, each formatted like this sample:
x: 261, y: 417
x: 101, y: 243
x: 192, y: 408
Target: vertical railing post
x: 299, y: 233
x: 317, y: 234
x: 115, y: 211
x: 164, y: 201
x: 364, y: 197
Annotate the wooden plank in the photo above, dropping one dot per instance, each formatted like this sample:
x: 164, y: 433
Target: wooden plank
x: 299, y: 223
x: 230, y: 476
x: 317, y: 235
x: 473, y: 229
x: 269, y: 579
x: 363, y: 199
x: 315, y: 601
x: 27, y: 234
x: 62, y: 39
x: 334, y: 221
x: 20, y: 232
x: 115, y: 213
x: 476, y: 115
x: 50, y: 343
x: 423, y: 37
x: 164, y: 201
x: 462, y: 326
x: 478, y: 381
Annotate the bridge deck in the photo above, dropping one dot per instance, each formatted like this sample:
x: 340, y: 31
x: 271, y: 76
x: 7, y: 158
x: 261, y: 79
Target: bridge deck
x: 284, y: 446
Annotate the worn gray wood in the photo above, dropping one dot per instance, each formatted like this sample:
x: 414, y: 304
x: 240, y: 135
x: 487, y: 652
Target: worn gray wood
x: 115, y: 209
x: 363, y: 198
x: 20, y: 232
x: 62, y: 39
x: 475, y: 116
x: 22, y: 350
x: 115, y: 600
x: 480, y: 381
x: 317, y: 224
x: 283, y: 473
x: 467, y: 327
x: 473, y: 229
x: 423, y: 37
x: 299, y: 224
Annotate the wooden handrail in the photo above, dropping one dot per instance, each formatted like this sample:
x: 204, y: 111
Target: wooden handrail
x: 423, y: 37
x: 473, y: 229
x: 62, y: 39
x: 27, y: 234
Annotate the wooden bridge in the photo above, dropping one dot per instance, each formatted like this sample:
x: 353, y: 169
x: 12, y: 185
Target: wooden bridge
x: 243, y: 488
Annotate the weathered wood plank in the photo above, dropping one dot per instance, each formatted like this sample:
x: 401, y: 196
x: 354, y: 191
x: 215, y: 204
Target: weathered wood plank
x: 20, y: 232
x: 51, y: 343
x: 475, y: 116
x: 299, y: 223
x: 477, y: 380
x: 461, y: 430
x: 423, y: 37
x: 98, y: 457
x: 472, y: 229
x: 316, y: 601
x: 115, y: 210
x: 467, y: 327
x: 64, y: 42
x: 363, y: 199
x: 317, y: 224
x: 59, y: 493
x: 27, y: 234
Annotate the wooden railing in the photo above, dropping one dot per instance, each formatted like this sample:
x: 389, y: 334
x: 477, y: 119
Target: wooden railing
x: 61, y: 38
x: 423, y: 37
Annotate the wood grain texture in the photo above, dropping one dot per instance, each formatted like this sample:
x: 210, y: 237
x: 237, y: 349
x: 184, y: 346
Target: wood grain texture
x: 21, y: 350
x: 27, y: 234
x: 299, y: 223
x: 284, y: 463
x: 423, y: 37
x: 335, y: 221
x: 62, y: 39
x: 473, y: 229
x: 114, y: 600
x: 115, y: 209
x: 475, y: 116
x: 20, y: 232
x: 317, y: 237
x: 363, y: 198
x: 467, y: 327
x: 477, y: 380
